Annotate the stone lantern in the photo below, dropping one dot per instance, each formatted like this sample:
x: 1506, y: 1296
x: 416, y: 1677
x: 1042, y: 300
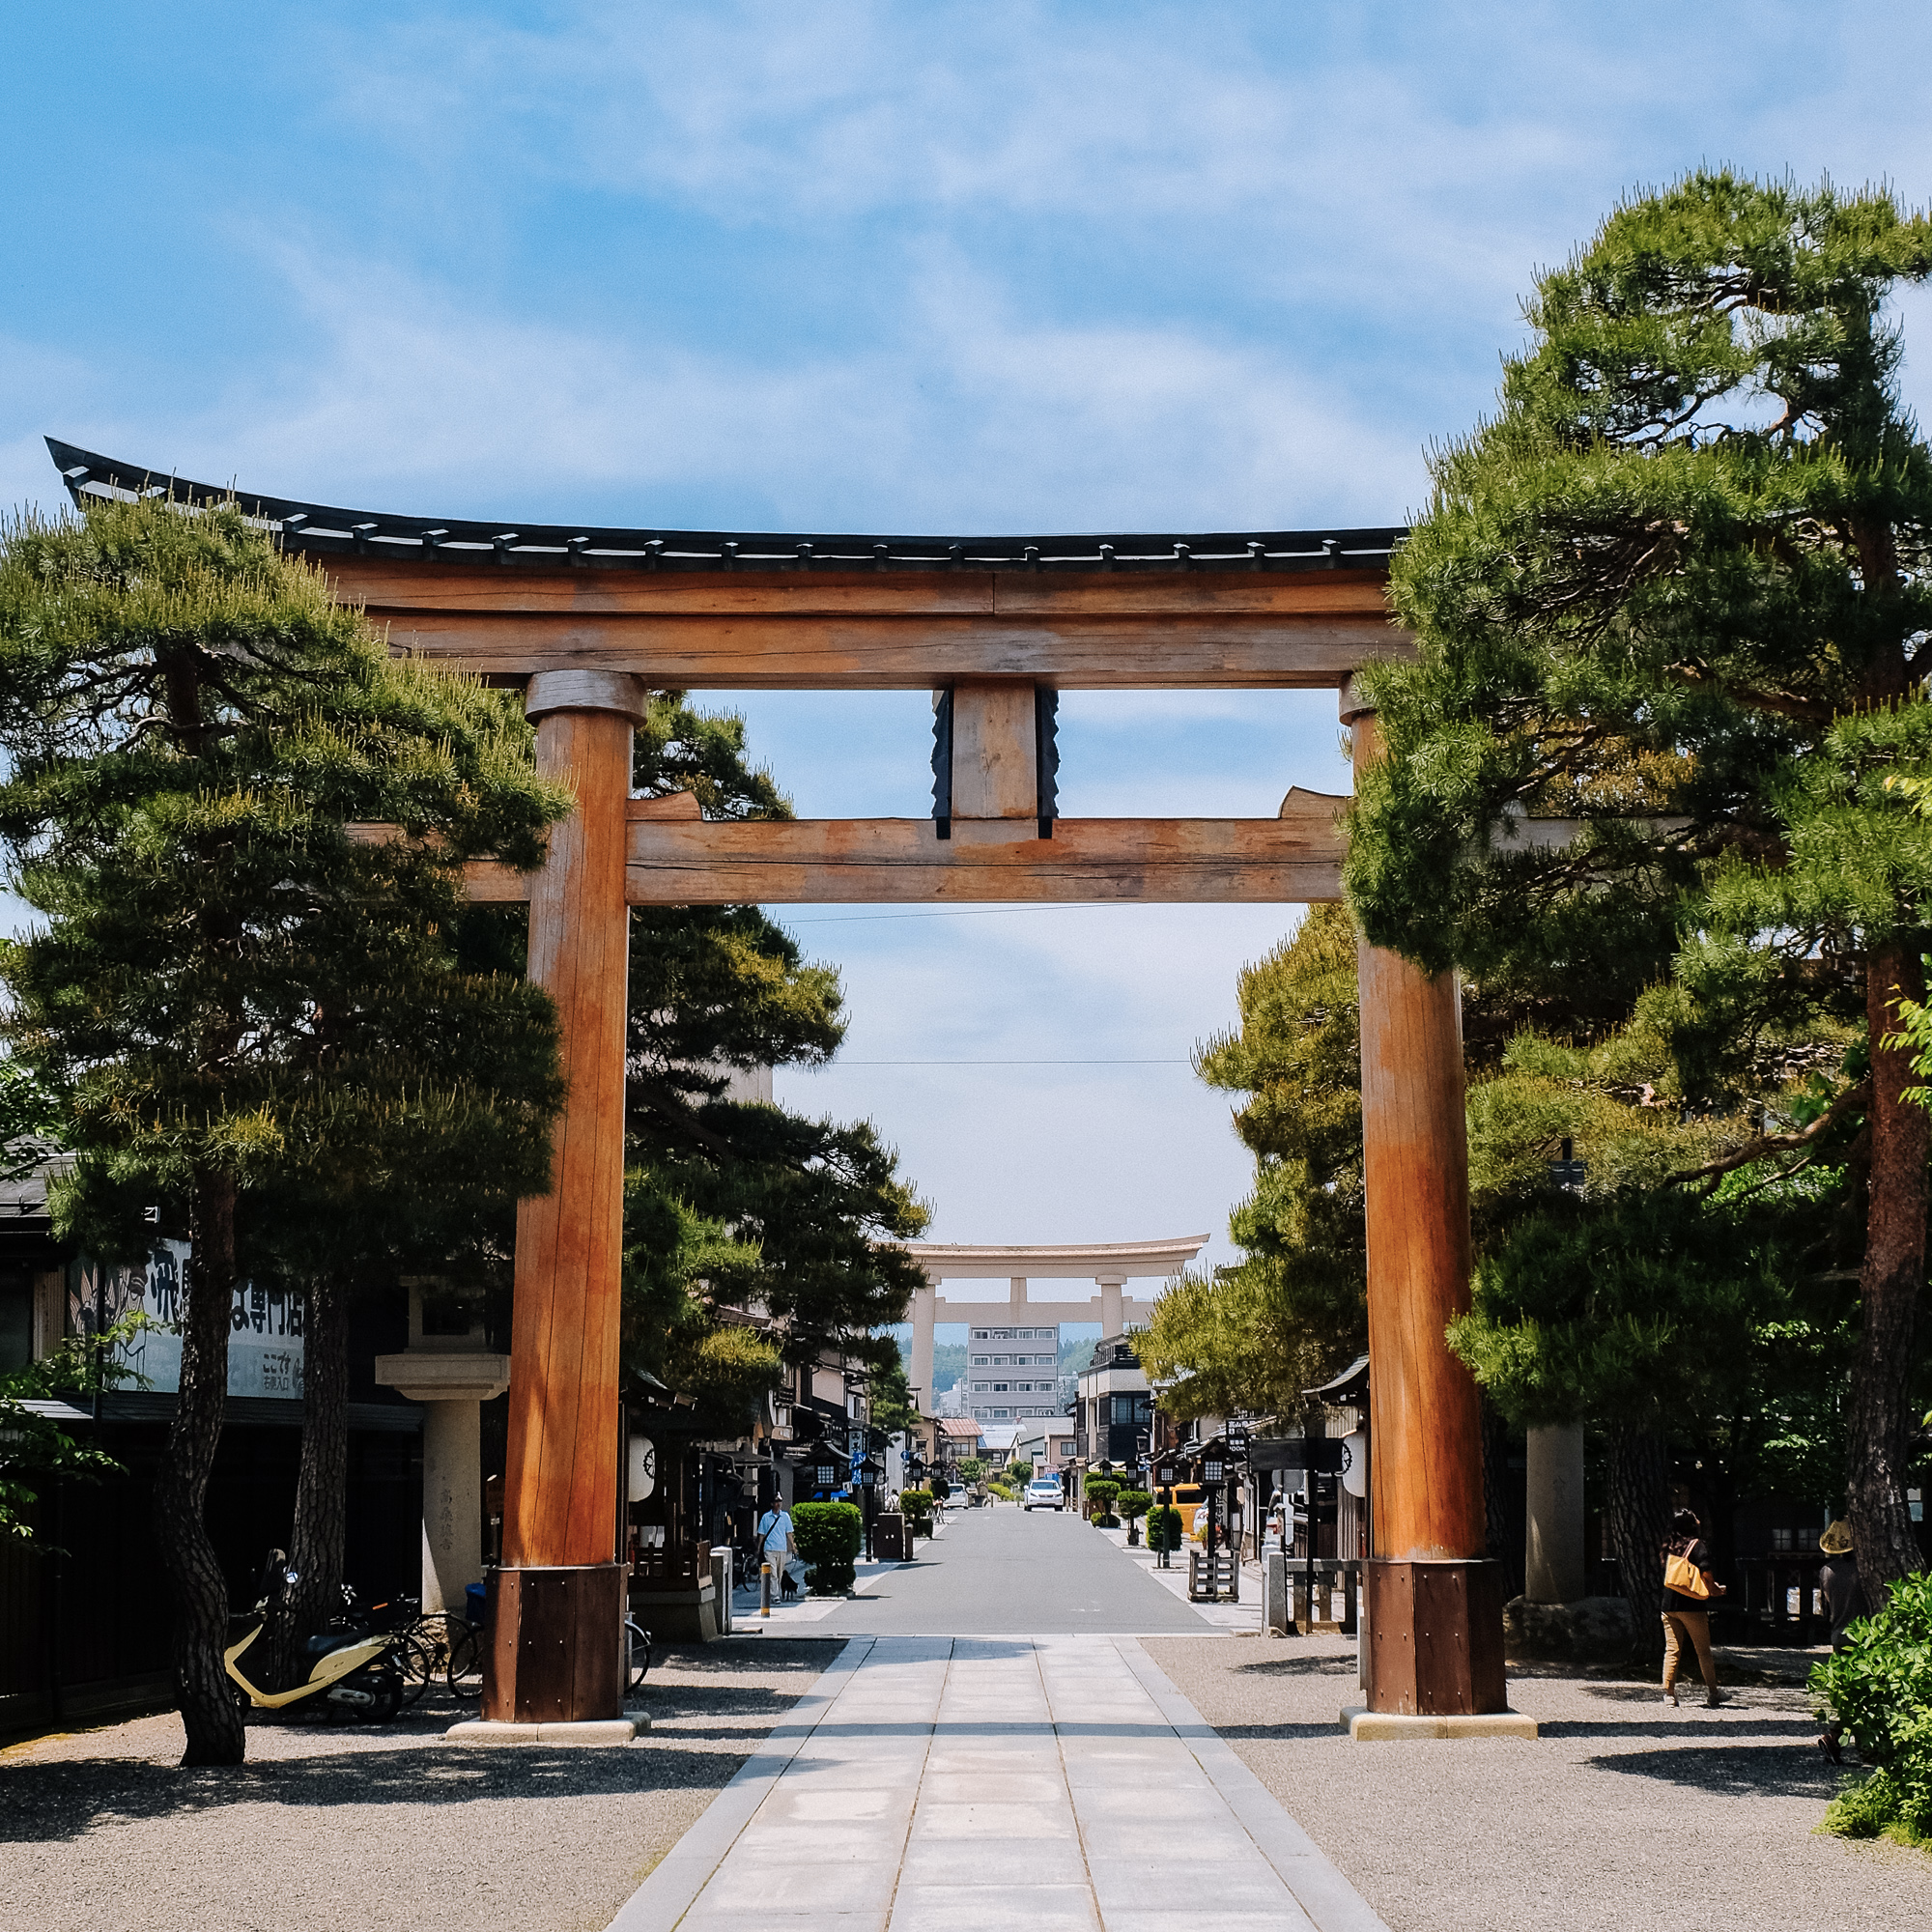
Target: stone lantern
x: 449, y: 1367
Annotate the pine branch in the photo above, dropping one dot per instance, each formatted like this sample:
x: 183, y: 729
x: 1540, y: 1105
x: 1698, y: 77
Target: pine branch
x: 1765, y: 1145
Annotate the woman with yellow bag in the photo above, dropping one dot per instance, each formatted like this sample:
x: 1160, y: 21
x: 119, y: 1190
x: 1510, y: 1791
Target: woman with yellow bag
x: 1688, y: 1590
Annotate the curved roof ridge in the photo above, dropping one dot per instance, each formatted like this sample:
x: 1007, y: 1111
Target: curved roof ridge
x: 329, y: 529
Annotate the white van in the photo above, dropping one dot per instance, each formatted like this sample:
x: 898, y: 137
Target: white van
x: 1044, y: 1493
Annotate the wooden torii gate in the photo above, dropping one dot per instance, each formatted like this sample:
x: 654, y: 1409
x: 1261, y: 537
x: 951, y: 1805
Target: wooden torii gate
x: 588, y: 621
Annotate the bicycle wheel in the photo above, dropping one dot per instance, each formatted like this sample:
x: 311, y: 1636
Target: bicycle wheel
x: 440, y: 1632
x: 465, y: 1672
x: 636, y: 1655
x: 417, y: 1664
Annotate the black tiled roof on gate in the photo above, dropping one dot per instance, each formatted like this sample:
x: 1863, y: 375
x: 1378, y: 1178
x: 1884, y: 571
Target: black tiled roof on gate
x: 318, y: 529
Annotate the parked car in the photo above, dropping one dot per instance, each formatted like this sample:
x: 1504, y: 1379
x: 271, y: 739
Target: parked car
x: 1044, y: 1493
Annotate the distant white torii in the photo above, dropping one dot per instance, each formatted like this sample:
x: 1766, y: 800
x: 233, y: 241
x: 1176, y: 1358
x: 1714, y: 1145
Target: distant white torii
x: 1108, y: 1264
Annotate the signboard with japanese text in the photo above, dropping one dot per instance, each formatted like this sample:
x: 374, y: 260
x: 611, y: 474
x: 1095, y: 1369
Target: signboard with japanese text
x: 265, y: 1325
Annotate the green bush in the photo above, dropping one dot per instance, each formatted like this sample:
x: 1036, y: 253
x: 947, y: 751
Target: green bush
x: 1163, y: 1529
x: 918, y: 1507
x: 828, y: 1536
x: 996, y: 1488
x: 1131, y: 1503
x: 970, y: 1470
x: 1101, y: 1492
x: 1880, y: 1688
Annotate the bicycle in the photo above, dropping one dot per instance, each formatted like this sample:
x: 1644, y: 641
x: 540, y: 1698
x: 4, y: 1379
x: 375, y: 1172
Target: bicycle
x: 426, y: 1645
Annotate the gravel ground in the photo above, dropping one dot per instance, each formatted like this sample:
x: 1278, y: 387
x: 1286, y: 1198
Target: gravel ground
x: 1624, y: 1812
x: 335, y: 1826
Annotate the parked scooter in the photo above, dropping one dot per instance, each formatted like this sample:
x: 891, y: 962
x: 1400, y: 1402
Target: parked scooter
x: 351, y: 1667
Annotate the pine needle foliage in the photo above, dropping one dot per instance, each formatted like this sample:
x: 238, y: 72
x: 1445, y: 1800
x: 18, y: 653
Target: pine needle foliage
x: 1678, y: 589
x: 229, y: 994
x: 735, y: 1207
x: 1292, y: 1311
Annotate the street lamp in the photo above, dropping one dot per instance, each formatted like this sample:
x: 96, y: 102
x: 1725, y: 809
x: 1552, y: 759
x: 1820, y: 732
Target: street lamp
x: 867, y: 1472
x: 1214, y: 1472
x: 1167, y: 1475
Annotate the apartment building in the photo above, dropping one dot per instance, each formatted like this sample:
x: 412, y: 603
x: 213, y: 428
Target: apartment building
x: 1012, y: 1375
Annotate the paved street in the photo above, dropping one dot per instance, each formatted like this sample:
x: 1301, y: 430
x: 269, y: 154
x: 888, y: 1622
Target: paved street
x: 1000, y: 1571
x: 933, y: 1784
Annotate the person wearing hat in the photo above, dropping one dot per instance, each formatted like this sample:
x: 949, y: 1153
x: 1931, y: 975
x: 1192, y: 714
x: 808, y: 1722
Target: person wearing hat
x: 1844, y: 1604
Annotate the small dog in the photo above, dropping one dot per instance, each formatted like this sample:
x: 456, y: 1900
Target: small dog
x: 787, y: 1586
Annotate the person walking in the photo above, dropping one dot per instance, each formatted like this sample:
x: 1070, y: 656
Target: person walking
x: 1688, y: 1590
x: 1844, y: 1604
x: 774, y: 1539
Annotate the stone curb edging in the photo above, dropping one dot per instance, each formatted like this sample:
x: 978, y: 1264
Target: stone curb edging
x: 584, y: 1732
x: 1330, y: 1900
x: 683, y: 1872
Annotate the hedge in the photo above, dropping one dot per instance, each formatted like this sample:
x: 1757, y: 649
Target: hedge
x: 1880, y: 1689
x: 828, y: 1536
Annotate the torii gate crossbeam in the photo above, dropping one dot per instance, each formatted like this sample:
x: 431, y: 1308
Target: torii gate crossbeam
x: 588, y: 621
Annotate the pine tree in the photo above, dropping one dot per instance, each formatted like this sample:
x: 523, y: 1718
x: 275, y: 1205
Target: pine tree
x: 218, y: 992
x: 1291, y: 1312
x: 728, y: 1204
x: 1677, y: 589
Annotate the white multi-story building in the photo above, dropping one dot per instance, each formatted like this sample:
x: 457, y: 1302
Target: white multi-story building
x: 1012, y: 1375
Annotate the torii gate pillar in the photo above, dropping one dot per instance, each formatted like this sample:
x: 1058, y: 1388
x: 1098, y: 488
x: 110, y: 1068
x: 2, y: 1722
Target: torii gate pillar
x: 1435, y: 1605
x: 557, y: 1624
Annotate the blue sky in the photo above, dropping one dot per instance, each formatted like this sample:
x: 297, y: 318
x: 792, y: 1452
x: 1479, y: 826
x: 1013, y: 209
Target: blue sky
x: 981, y: 269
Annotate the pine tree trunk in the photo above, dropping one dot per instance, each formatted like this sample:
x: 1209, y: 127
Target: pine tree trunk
x: 209, y: 1712
x: 1640, y: 1520
x: 316, y: 1546
x: 1881, y: 1423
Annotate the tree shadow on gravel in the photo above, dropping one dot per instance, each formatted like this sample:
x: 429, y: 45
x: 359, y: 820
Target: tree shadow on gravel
x: 70, y: 1797
x: 1693, y: 1732
x: 1277, y: 1734
x: 1797, y: 1771
x: 1297, y: 1666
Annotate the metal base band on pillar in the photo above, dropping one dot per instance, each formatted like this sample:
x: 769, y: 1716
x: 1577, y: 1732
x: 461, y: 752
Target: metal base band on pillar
x: 1436, y: 1638
x: 555, y: 1648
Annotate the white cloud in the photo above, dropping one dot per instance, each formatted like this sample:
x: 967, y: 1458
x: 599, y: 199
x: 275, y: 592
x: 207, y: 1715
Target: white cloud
x: 408, y: 399
x: 1040, y: 1151
x: 1428, y: 157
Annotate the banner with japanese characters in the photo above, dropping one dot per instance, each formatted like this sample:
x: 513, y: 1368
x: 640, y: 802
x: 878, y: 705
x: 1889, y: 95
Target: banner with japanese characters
x: 265, y: 1325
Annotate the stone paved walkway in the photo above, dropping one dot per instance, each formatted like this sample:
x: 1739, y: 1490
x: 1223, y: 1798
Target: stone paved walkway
x: 938, y: 1784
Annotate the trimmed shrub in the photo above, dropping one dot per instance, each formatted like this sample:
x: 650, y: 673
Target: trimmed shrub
x: 917, y: 1506
x: 828, y: 1536
x: 1880, y: 1688
x: 1100, y: 1491
x: 1163, y: 1529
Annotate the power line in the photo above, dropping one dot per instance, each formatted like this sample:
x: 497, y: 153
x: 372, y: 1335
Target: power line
x: 963, y: 912
x: 835, y: 1064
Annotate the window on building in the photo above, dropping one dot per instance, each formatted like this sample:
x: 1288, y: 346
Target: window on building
x: 16, y: 1319
x: 999, y: 1388
x: 1000, y: 1414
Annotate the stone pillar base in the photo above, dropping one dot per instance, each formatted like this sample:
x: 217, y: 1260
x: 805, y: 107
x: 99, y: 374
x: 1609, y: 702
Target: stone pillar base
x: 1368, y: 1726
x: 555, y: 1649
x: 608, y: 1731
x: 1436, y: 1638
